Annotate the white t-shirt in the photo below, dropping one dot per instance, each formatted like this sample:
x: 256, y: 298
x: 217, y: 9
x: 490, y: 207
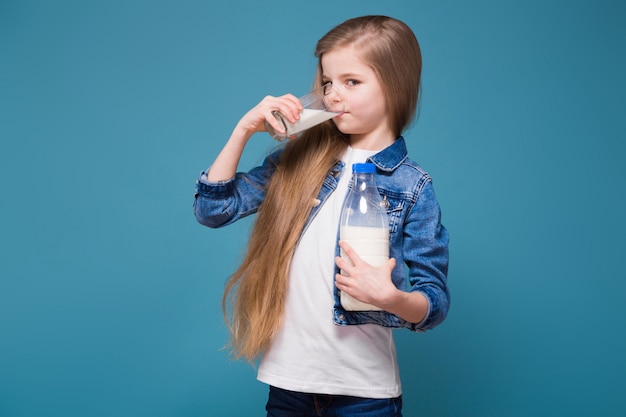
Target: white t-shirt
x: 310, y: 353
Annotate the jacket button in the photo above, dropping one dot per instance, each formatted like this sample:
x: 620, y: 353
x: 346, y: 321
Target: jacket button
x: 342, y: 317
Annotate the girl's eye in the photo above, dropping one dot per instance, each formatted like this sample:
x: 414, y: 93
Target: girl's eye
x: 352, y: 83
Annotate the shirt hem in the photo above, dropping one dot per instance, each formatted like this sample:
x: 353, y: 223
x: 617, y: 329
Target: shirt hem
x: 325, y: 388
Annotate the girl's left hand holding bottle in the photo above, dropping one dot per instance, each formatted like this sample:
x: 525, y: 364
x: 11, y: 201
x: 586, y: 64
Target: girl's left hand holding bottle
x: 373, y: 285
x: 362, y: 281
x: 225, y: 165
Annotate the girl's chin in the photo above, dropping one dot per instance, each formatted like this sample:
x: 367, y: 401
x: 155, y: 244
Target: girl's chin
x: 341, y: 127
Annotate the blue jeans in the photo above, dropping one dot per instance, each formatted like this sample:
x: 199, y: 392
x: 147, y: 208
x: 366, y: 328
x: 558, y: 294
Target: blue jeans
x: 283, y: 403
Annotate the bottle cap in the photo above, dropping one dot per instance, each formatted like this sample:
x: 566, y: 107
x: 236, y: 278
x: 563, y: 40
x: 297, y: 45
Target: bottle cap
x: 365, y: 167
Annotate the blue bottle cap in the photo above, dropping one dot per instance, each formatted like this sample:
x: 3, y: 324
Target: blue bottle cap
x: 365, y: 167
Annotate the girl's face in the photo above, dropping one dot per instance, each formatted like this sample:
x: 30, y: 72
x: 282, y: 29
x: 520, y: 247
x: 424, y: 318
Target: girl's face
x: 365, y: 118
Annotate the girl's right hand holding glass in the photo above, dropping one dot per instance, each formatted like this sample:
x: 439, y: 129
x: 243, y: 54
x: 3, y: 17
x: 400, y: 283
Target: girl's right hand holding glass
x: 225, y: 165
x: 255, y: 119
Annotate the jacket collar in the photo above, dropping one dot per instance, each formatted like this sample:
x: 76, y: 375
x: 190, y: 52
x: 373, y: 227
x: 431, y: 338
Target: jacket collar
x: 391, y: 157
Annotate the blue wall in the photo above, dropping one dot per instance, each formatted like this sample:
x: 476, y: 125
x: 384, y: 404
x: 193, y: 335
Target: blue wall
x: 110, y: 291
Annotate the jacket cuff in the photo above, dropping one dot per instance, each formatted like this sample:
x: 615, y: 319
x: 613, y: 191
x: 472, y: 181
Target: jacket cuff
x: 437, y: 311
x: 421, y: 326
x: 214, y: 190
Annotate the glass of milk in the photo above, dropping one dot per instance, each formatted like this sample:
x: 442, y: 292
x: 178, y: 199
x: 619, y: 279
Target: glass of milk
x: 316, y: 110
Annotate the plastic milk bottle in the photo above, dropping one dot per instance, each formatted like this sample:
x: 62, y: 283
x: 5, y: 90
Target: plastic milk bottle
x: 364, y: 225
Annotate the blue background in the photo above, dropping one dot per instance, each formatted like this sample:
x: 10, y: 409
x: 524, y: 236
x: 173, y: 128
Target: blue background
x: 110, y: 291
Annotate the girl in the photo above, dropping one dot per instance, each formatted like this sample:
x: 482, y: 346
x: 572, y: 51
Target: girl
x: 284, y: 298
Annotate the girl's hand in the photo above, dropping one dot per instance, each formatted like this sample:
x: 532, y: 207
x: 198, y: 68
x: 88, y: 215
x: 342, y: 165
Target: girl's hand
x: 366, y: 283
x: 254, y: 120
x: 225, y: 165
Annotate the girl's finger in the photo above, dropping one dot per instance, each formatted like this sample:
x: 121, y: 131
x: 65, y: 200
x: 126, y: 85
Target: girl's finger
x: 290, y: 107
x: 343, y: 265
x: 350, y: 253
x: 271, y: 120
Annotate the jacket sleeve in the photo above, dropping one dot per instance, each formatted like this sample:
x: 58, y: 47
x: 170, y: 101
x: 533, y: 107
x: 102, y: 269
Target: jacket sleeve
x: 218, y: 204
x: 425, y: 251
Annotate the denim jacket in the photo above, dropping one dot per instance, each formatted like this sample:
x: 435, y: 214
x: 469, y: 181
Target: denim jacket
x: 418, y: 240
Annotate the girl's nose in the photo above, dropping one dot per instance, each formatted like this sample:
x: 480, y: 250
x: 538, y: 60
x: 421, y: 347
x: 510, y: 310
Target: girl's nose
x: 332, y: 97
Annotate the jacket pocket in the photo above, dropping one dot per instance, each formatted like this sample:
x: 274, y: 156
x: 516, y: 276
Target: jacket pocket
x: 393, y: 206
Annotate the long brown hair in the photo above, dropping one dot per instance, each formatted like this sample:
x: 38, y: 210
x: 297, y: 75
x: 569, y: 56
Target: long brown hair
x: 257, y: 289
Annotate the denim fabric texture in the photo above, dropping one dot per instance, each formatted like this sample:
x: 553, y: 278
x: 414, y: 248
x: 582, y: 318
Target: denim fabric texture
x: 283, y: 403
x: 418, y: 240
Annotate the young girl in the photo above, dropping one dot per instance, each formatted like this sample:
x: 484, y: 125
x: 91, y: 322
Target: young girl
x: 284, y: 298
